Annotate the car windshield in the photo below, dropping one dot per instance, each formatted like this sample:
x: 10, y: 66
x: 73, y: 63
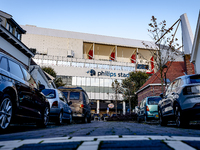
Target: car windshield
x: 154, y: 100
x: 74, y: 95
x: 49, y: 93
x: 194, y: 79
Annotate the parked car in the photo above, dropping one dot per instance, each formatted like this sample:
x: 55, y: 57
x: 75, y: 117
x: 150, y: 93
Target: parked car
x: 96, y: 117
x: 148, y: 109
x: 105, y: 116
x: 59, y: 107
x: 181, y: 102
x: 80, y: 103
x: 21, y: 99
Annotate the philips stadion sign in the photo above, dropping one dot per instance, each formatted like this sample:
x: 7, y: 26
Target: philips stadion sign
x: 107, y: 73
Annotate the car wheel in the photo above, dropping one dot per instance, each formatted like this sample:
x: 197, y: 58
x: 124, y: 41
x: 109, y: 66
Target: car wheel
x: 60, y: 118
x: 45, y: 118
x: 69, y: 121
x: 6, y: 112
x: 89, y: 119
x: 85, y: 119
x: 180, y: 122
x: 162, y: 120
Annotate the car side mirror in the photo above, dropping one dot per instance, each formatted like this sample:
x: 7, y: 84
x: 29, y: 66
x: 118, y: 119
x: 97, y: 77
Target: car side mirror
x: 161, y: 95
x: 69, y: 103
x: 41, y: 87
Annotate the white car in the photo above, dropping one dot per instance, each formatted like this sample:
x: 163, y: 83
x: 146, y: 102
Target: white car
x: 59, y: 107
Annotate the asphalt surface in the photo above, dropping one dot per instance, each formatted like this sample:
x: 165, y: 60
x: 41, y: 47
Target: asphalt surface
x: 102, y: 135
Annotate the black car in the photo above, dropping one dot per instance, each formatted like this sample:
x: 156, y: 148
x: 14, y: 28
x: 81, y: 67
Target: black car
x: 20, y: 98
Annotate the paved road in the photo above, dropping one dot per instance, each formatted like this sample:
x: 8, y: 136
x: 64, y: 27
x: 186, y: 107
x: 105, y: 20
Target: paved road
x: 102, y: 135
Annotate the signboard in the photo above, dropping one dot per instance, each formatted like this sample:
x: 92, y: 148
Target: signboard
x: 111, y: 105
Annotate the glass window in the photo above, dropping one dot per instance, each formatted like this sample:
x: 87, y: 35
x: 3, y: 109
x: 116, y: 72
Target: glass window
x: 74, y: 81
x: 15, y: 69
x: 19, y: 36
x: 29, y: 79
x: 65, y: 94
x: 194, y: 79
x: 49, y: 93
x: 4, y: 63
x: 74, y: 64
x: 74, y: 95
x: 101, y: 82
x: 10, y: 29
x: 154, y: 100
x: 88, y: 82
x: 83, y: 81
x: 78, y: 81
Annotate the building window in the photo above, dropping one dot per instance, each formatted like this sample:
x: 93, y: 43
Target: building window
x: 10, y: 29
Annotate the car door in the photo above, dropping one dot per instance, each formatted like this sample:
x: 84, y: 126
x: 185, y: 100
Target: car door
x: 86, y: 103
x: 167, y: 101
x: 37, y: 99
x: 63, y: 104
x: 143, y: 109
x: 25, y: 102
x: 140, y: 109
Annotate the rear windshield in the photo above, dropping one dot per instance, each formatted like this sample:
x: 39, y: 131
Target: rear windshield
x: 49, y: 93
x: 74, y: 95
x: 194, y: 79
x: 65, y: 94
x: 154, y: 100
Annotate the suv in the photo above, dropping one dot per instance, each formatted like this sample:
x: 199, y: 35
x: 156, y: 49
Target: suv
x: 181, y: 102
x: 148, y: 109
x: 80, y: 103
x: 20, y: 98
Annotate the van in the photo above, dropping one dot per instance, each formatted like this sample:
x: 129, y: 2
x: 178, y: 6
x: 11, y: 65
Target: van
x: 80, y: 103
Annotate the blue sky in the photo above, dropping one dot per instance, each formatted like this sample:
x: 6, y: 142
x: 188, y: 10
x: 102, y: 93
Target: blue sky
x: 119, y: 18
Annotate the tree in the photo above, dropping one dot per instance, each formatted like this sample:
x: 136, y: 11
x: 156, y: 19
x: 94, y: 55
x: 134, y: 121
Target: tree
x: 132, y: 84
x: 58, y: 81
x: 165, y: 47
x: 116, y: 87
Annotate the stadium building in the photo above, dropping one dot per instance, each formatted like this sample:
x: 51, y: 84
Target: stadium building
x: 90, y: 61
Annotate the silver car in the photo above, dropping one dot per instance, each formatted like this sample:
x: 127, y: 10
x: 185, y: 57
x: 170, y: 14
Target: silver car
x: 181, y: 102
x: 59, y: 108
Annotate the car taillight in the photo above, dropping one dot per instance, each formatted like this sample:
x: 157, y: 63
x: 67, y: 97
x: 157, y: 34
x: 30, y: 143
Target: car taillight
x: 147, y: 108
x: 55, y: 104
x: 81, y: 105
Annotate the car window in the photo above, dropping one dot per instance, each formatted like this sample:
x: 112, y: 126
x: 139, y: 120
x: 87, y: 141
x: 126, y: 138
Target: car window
x: 74, y: 95
x: 175, y: 84
x: 144, y: 103
x: 62, y: 98
x: 29, y: 78
x: 65, y: 94
x: 169, y: 88
x: 49, y: 93
x: 193, y: 79
x: 15, y: 69
x: 153, y: 100
x: 4, y: 63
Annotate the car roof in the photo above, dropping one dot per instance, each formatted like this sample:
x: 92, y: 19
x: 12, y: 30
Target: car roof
x: 70, y: 88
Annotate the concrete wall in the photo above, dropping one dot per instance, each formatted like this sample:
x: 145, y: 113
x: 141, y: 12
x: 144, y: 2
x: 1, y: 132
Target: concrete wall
x: 50, y: 45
